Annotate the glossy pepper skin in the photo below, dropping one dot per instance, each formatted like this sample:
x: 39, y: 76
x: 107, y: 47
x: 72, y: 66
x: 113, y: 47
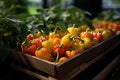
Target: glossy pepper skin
x: 30, y: 50
x: 62, y: 59
x: 78, y: 46
x: 98, y: 36
x: 56, y: 41
x: 82, y: 46
x: 30, y: 37
x: 67, y: 40
x: 73, y: 30
x: 43, y: 54
x: 58, y: 48
x: 27, y: 48
x: 72, y: 53
x: 48, y: 44
x: 106, y: 34
x: 87, y: 43
x: 36, y: 42
x: 86, y: 35
x: 53, y: 35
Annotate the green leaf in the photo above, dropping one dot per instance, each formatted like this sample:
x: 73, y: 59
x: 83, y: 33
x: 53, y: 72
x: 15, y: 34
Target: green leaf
x: 23, y: 31
x: 23, y: 16
x: 62, y: 25
x: 109, y: 15
x: 40, y: 10
x: 44, y: 29
x: 89, y: 23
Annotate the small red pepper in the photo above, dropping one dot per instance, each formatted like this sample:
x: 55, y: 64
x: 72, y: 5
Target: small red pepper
x: 59, y: 48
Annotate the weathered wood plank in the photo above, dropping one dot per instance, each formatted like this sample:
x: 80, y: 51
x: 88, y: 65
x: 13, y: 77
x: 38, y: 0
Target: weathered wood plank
x: 26, y: 71
x: 103, y: 74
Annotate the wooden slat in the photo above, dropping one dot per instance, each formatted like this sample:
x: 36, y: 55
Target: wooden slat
x: 84, y: 66
x: 103, y: 74
x: 32, y: 61
x: 28, y: 72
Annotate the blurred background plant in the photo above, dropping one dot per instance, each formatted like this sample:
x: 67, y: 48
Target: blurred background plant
x: 11, y: 27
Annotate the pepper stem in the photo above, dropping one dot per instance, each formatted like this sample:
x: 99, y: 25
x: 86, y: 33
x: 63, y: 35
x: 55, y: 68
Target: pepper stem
x: 57, y: 58
x: 79, y: 39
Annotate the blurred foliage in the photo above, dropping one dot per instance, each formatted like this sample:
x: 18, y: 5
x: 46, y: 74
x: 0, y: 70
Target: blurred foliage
x: 19, y: 6
x: 57, y: 18
x: 62, y: 3
x: 109, y: 15
x: 115, y: 1
x: 11, y: 28
x: 69, y: 16
x: 10, y: 24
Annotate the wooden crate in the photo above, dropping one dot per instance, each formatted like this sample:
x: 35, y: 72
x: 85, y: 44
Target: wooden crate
x: 61, y: 70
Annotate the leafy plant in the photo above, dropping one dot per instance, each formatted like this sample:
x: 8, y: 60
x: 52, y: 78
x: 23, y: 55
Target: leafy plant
x: 58, y: 18
x: 110, y: 15
x: 76, y: 16
x: 12, y: 29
